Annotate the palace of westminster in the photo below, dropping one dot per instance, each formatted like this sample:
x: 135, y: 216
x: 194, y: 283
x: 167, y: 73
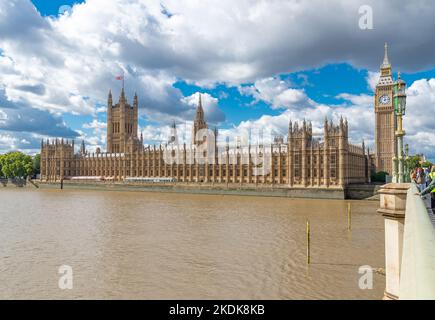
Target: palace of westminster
x: 300, y: 161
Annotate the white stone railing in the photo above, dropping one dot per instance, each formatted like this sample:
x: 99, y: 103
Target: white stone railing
x: 409, y: 244
x: 417, y: 275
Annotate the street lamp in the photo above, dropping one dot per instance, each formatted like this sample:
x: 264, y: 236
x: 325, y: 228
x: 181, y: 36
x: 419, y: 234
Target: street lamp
x: 399, y: 110
x: 407, y: 173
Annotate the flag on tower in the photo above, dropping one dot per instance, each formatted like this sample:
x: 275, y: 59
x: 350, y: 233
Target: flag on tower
x: 121, y: 77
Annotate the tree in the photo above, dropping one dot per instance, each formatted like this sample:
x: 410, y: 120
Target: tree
x: 1, y: 161
x: 426, y: 164
x: 16, y: 165
x: 413, y: 162
x: 37, y: 164
x: 379, y: 176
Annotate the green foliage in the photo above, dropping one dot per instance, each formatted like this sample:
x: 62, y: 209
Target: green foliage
x: 379, y: 176
x: 37, y: 164
x: 426, y: 164
x: 413, y: 162
x: 16, y: 165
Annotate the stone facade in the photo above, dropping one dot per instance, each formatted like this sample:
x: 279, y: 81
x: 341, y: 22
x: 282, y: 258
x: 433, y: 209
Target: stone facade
x: 300, y: 162
x: 121, y: 123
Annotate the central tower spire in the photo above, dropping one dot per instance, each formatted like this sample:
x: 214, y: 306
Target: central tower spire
x: 199, y: 122
x: 199, y: 110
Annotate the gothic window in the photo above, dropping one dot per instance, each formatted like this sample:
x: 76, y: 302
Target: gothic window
x: 297, y: 165
x: 333, y: 166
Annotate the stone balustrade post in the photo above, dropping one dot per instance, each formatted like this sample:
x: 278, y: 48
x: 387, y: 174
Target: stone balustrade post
x: 392, y: 207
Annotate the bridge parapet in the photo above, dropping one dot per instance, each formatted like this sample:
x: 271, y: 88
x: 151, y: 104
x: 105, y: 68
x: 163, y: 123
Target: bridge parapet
x: 417, y: 276
x: 409, y: 243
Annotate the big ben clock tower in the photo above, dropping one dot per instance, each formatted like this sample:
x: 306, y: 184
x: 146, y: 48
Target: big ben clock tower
x: 385, y: 120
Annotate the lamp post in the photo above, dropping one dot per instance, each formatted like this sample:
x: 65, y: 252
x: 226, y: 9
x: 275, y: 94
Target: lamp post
x: 399, y: 110
x: 407, y: 173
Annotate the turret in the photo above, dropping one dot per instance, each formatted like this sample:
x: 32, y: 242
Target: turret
x: 83, y: 148
x: 135, y: 114
x: 135, y: 103
x: 110, y: 100
x: 122, y: 99
x: 173, y: 139
x: 216, y: 133
x: 199, y: 122
x: 346, y: 128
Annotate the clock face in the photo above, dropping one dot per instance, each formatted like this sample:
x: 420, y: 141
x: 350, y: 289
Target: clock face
x: 384, y: 99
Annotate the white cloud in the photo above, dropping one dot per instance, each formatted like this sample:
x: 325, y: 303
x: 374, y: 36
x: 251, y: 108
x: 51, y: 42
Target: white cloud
x: 373, y: 79
x: 3, y: 117
x: 77, y: 55
x: 19, y: 142
x: 95, y: 124
x: 212, y: 112
x: 358, y: 109
x: 67, y: 64
x: 277, y: 93
x: 419, y: 121
x: 364, y: 100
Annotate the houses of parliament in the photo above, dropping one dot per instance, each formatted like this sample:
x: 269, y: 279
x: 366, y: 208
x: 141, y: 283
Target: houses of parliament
x: 299, y: 161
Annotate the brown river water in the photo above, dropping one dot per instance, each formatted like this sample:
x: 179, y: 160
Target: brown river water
x: 140, y: 245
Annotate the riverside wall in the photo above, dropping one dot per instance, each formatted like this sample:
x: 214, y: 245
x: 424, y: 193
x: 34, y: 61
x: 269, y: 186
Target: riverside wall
x: 204, y: 188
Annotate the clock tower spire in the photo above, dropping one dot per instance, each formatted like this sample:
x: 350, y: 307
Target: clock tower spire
x: 385, y: 121
x: 386, y: 74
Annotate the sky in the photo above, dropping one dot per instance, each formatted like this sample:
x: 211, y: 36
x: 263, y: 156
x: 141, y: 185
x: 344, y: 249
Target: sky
x: 256, y: 63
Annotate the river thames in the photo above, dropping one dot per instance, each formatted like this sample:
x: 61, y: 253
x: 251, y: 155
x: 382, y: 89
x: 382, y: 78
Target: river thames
x: 143, y: 245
